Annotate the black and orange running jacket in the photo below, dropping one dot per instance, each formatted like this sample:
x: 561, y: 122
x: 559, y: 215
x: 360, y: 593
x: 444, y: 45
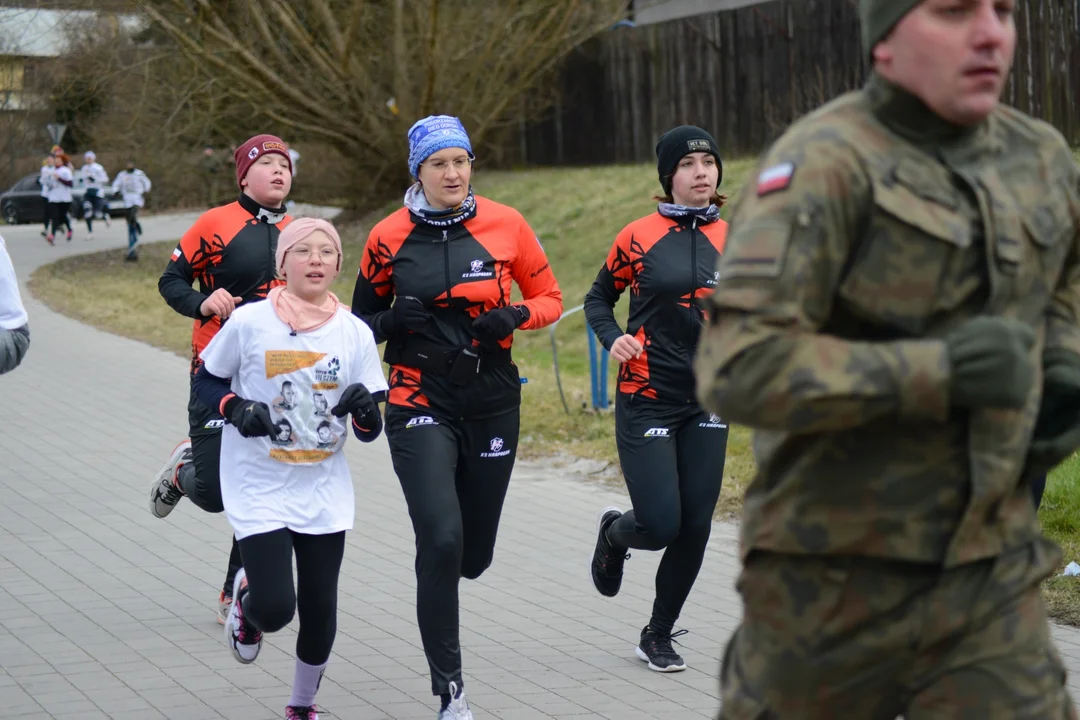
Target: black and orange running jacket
x: 230, y: 247
x: 668, y: 263
x: 457, y: 271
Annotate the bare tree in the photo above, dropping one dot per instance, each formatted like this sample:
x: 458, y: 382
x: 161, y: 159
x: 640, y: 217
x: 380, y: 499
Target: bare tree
x: 358, y: 73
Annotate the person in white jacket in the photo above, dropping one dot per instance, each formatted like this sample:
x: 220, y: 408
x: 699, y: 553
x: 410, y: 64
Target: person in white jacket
x: 45, y: 180
x: 14, y: 324
x: 63, y: 181
x: 132, y: 184
x: 94, y: 179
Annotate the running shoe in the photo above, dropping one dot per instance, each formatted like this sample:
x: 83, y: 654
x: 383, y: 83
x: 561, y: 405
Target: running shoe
x: 164, y: 492
x: 608, y: 559
x: 655, y: 648
x: 243, y: 639
x: 224, y: 604
x: 302, y: 713
x: 458, y: 709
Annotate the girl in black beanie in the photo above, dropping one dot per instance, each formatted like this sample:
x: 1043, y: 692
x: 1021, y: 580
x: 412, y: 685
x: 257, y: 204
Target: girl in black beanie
x: 672, y: 452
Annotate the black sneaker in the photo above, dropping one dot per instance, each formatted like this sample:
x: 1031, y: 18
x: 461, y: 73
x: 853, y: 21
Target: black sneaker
x: 655, y: 649
x: 608, y: 559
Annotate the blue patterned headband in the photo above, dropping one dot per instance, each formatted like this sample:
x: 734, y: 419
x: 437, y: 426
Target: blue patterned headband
x: 432, y: 134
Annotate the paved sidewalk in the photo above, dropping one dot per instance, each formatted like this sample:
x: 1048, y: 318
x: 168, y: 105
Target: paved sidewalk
x: 107, y: 612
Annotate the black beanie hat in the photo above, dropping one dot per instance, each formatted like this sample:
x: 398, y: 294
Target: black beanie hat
x: 679, y: 142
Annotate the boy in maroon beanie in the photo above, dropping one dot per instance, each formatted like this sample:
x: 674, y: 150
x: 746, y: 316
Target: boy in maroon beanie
x: 248, y: 228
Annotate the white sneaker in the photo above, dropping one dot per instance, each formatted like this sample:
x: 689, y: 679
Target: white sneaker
x: 458, y: 709
x: 164, y: 493
x: 243, y: 640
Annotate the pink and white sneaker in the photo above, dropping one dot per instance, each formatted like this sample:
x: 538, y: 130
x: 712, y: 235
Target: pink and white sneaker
x: 243, y: 639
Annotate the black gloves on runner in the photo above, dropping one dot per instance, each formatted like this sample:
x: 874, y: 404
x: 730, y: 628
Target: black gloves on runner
x: 990, y: 362
x: 357, y: 401
x: 1057, y: 429
x: 250, y: 418
x: 408, y: 313
x: 494, y: 325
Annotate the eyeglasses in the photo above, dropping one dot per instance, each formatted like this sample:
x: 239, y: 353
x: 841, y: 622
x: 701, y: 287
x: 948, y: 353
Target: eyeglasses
x: 441, y: 166
x: 327, y: 255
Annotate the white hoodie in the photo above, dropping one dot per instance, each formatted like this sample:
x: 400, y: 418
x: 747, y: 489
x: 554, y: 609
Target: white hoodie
x: 132, y: 184
x: 93, y: 176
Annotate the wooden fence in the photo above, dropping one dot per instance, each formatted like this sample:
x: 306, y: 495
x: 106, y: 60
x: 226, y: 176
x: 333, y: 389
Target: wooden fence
x: 746, y: 74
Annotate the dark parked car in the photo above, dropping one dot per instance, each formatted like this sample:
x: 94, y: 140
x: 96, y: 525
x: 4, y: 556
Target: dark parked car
x: 23, y: 202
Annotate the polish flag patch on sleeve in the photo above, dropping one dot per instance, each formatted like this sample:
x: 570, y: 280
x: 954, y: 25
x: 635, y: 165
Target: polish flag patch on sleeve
x: 776, y: 178
x: 176, y: 253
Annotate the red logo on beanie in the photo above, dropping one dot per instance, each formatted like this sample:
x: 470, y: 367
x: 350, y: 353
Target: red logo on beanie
x: 270, y: 146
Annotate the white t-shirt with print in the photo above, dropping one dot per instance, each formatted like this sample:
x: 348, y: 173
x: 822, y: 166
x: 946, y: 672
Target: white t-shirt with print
x: 298, y: 479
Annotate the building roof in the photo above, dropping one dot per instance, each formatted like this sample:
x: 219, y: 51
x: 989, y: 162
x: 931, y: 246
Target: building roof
x: 32, y: 32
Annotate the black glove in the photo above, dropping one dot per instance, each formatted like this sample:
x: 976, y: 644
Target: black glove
x: 1057, y: 429
x: 494, y: 325
x: 990, y: 362
x: 408, y: 313
x: 250, y: 418
x: 357, y: 400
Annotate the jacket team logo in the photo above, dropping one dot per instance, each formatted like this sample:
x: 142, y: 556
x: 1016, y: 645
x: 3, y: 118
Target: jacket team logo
x: 476, y: 270
x: 497, y: 450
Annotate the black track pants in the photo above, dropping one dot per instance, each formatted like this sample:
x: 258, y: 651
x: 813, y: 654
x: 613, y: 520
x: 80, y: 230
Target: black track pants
x: 454, y: 476
x: 672, y: 457
x: 201, y: 479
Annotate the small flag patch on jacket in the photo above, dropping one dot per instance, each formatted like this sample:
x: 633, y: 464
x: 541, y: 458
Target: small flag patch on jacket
x: 176, y: 253
x: 778, y: 177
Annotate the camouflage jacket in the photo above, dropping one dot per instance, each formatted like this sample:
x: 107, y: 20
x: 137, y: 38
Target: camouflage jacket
x: 873, y: 229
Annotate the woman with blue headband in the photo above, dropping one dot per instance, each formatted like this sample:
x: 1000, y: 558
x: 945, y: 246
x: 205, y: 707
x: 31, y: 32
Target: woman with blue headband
x: 434, y: 285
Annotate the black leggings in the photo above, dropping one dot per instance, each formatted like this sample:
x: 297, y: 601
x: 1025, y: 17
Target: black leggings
x: 672, y: 457
x: 454, y: 476
x: 272, y: 600
x: 58, y: 214
x: 200, y: 479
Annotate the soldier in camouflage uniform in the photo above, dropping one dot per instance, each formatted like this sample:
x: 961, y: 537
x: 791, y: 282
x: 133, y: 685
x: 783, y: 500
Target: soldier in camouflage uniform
x: 897, y: 319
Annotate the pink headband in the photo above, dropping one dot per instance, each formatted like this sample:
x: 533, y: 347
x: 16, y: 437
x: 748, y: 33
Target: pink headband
x: 301, y: 229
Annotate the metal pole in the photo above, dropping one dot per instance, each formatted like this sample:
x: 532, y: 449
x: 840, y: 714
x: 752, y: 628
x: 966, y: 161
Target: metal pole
x: 555, y: 353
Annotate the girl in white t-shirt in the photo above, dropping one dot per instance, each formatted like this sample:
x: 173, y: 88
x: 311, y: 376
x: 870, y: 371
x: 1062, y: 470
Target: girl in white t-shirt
x: 284, y: 480
x: 63, y: 179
